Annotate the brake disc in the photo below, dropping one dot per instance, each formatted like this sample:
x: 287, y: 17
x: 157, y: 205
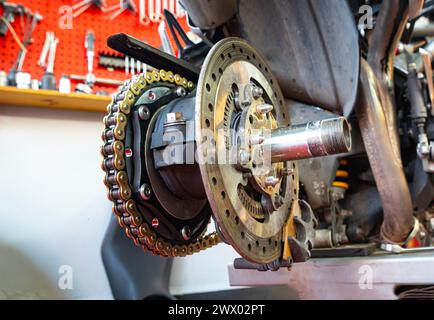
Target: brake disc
x: 238, y: 99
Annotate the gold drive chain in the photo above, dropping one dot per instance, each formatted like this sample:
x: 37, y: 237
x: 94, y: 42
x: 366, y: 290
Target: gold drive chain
x: 116, y: 179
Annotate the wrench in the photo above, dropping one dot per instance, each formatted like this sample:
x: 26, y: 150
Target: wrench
x: 21, y: 61
x: 138, y: 66
x: 36, y: 17
x: 154, y: 11
x: 180, y: 12
x: 172, y: 6
x: 81, y: 10
x: 127, y: 65
x: 49, y: 36
x: 81, y: 4
x: 89, y: 44
x: 143, y: 19
x: 123, y: 6
x: 52, y: 55
x: 132, y: 65
x: 84, y: 5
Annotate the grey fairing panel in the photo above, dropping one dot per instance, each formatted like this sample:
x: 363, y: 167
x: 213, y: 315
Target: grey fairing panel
x: 311, y: 45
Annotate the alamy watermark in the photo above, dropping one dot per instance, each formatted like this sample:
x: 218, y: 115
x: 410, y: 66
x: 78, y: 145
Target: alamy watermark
x: 366, y: 20
x: 366, y: 279
x: 66, y: 278
x: 225, y: 147
x: 67, y: 14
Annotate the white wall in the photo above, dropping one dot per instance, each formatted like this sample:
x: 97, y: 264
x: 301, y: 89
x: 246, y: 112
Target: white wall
x: 54, y: 210
x: 53, y: 207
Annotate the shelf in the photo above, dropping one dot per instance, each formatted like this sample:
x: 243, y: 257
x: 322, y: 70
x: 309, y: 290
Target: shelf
x: 12, y: 96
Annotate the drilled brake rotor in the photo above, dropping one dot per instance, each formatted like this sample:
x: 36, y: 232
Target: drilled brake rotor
x: 249, y: 211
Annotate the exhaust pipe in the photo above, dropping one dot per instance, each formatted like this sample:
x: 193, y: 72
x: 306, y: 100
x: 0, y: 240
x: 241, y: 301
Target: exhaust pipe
x: 387, y: 168
x: 377, y: 120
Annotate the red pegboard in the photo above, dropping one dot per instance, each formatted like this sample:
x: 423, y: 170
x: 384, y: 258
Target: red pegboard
x: 71, y: 54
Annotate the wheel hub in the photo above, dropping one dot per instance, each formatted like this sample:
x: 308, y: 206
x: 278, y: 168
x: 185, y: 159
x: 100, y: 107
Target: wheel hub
x: 174, y: 154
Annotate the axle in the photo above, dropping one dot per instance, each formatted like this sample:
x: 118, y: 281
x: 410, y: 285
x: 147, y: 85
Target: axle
x: 309, y: 140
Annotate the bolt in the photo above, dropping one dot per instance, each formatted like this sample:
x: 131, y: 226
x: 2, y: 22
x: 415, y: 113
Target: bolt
x: 286, y: 172
x: 186, y: 233
x: 279, y: 200
x: 173, y: 117
x: 244, y: 157
x: 181, y: 92
x: 170, y: 117
x: 271, y: 181
x: 155, y: 223
x: 256, y: 139
x: 178, y: 115
x: 246, y: 103
x: 247, y: 175
x: 152, y: 96
x: 144, y: 113
x: 264, y: 108
x: 128, y: 152
x: 337, y: 193
x: 257, y: 92
x: 145, y: 192
x: 346, y: 213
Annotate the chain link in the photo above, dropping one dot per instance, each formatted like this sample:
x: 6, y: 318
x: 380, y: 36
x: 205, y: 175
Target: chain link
x: 116, y: 179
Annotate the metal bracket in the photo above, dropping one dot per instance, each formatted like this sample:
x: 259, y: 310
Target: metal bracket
x: 145, y: 53
x: 373, y: 277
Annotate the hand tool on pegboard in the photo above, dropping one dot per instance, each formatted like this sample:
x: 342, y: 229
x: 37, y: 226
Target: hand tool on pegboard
x: 31, y: 21
x: 121, y: 62
x: 10, y: 10
x: 70, y: 55
x: 143, y: 18
x: 89, y: 44
x: 123, y: 5
x: 111, y: 61
x: 49, y: 36
x: 132, y: 66
x: 90, y: 78
x: 106, y: 81
x: 84, y: 5
x: 48, y: 81
x: 180, y: 12
x: 155, y: 10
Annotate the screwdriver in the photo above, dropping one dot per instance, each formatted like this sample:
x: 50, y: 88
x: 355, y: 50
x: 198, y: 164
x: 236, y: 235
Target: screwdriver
x: 89, y: 44
x: 48, y: 80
